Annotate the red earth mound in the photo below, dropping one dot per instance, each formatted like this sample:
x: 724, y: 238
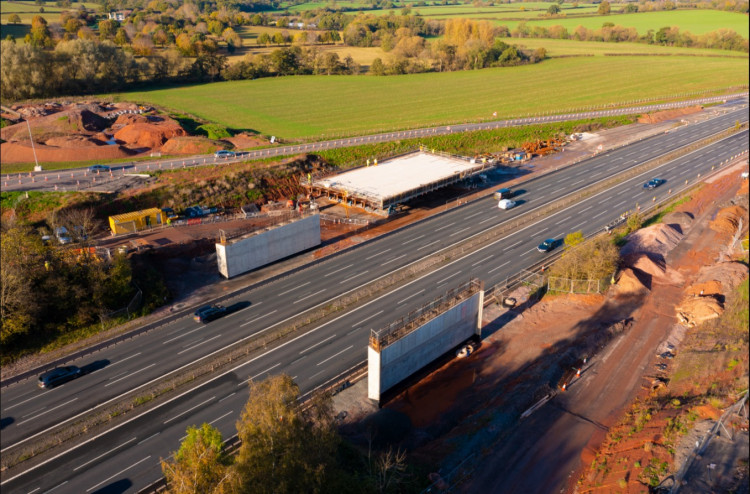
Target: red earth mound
x: 190, y: 145
x: 149, y: 135
x: 661, y: 116
x: 11, y: 152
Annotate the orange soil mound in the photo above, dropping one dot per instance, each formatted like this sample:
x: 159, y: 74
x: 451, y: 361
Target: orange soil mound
x: 190, y: 145
x: 728, y: 274
x: 707, y: 412
x: 693, y: 311
x: 246, y: 141
x: 629, y: 283
x: 72, y: 142
x: 680, y: 218
x: 148, y: 135
x: 728, y: 219
x: 661, y: 116
x: 744, y: 188
x: 643, y: 262
x: 655, y: 239
x: 71, y: 121
x: 707, y: 288
x: 11, y: 152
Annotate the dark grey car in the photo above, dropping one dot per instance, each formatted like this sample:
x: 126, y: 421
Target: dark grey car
x: 58, y: 375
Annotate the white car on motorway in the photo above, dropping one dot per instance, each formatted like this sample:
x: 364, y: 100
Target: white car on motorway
x: 506, y: 204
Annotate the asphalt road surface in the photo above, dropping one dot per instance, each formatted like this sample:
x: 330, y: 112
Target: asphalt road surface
x: 124, y: 176
x: 128, y: 457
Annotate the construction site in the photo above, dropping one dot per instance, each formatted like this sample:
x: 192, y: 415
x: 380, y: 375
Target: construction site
x: 380, y: 187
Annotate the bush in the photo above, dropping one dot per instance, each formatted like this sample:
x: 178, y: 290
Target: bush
x: 213, y: 131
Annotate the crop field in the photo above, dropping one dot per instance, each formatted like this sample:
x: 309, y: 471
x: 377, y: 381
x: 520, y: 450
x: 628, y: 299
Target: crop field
x: 27, y: 10
x: 695, y: 21
x: 430, y: 10
x: 322, y: 106
x: 567, y: 47
x: 497, y: 12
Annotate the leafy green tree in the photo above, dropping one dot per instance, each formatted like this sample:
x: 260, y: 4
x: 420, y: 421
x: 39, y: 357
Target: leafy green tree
x: 377, y: 67
x: 592, y: 260
x: 283, y: 450
x: 200, y: 465
x: 40, y: 33
x: 604, y: 8
x: 107, y: 28
x: 14, y: 19
x: 264, y: 39
x: 573, y: 239
x: 553, y: 9
x: 121, y: 37
x: 635, y: 221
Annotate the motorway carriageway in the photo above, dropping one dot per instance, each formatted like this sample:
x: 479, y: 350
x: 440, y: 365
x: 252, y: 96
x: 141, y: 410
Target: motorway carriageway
x: 318, y: 356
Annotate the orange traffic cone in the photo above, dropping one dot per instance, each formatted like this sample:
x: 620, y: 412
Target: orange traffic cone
x: 564, y: 386
x: 578, y: 374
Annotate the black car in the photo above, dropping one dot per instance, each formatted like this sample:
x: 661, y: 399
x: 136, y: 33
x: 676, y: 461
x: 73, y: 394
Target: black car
x: 59, y: 375
x: 209, y: 313
x: 547, y: 245
x: 98, y: 168
x: 653, y: 183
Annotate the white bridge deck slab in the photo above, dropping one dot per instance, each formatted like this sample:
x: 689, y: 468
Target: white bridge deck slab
x: 397, y: 176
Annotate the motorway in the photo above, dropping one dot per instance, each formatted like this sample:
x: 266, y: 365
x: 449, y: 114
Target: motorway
x: 130, y: 454
x: 125, y: 175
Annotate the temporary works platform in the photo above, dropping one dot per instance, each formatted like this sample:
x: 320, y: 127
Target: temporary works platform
x: 137, y: 220
x: 396, y: 180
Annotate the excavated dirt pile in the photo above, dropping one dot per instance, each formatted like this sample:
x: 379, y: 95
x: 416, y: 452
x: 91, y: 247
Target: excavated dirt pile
x: 643, y: 258
x: 695, y: 310
x: 93, y: 131
x: 191, y: 145
x: 656, y: 240
x: 728, y: 219
x: 679, y: 220
x: 661, y: 116
x: 149, y: 133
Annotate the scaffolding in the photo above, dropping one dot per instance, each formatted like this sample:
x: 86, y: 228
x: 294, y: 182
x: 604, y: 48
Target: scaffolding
x: 383, y: 337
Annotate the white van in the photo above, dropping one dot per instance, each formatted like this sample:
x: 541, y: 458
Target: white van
x: 506, y: 204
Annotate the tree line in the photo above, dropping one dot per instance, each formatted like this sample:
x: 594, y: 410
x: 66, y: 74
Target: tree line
x: 284, y: 449
x: 722, y: 39
x: 48, y: 291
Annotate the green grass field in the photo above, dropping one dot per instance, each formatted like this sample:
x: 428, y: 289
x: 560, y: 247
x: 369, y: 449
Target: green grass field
x: 27, y: 10
x: 695, y: 21
x: 563, y: 47
x: 319, y: 106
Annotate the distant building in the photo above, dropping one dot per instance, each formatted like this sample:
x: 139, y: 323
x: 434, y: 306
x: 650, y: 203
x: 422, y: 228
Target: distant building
x: 119, y: 15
